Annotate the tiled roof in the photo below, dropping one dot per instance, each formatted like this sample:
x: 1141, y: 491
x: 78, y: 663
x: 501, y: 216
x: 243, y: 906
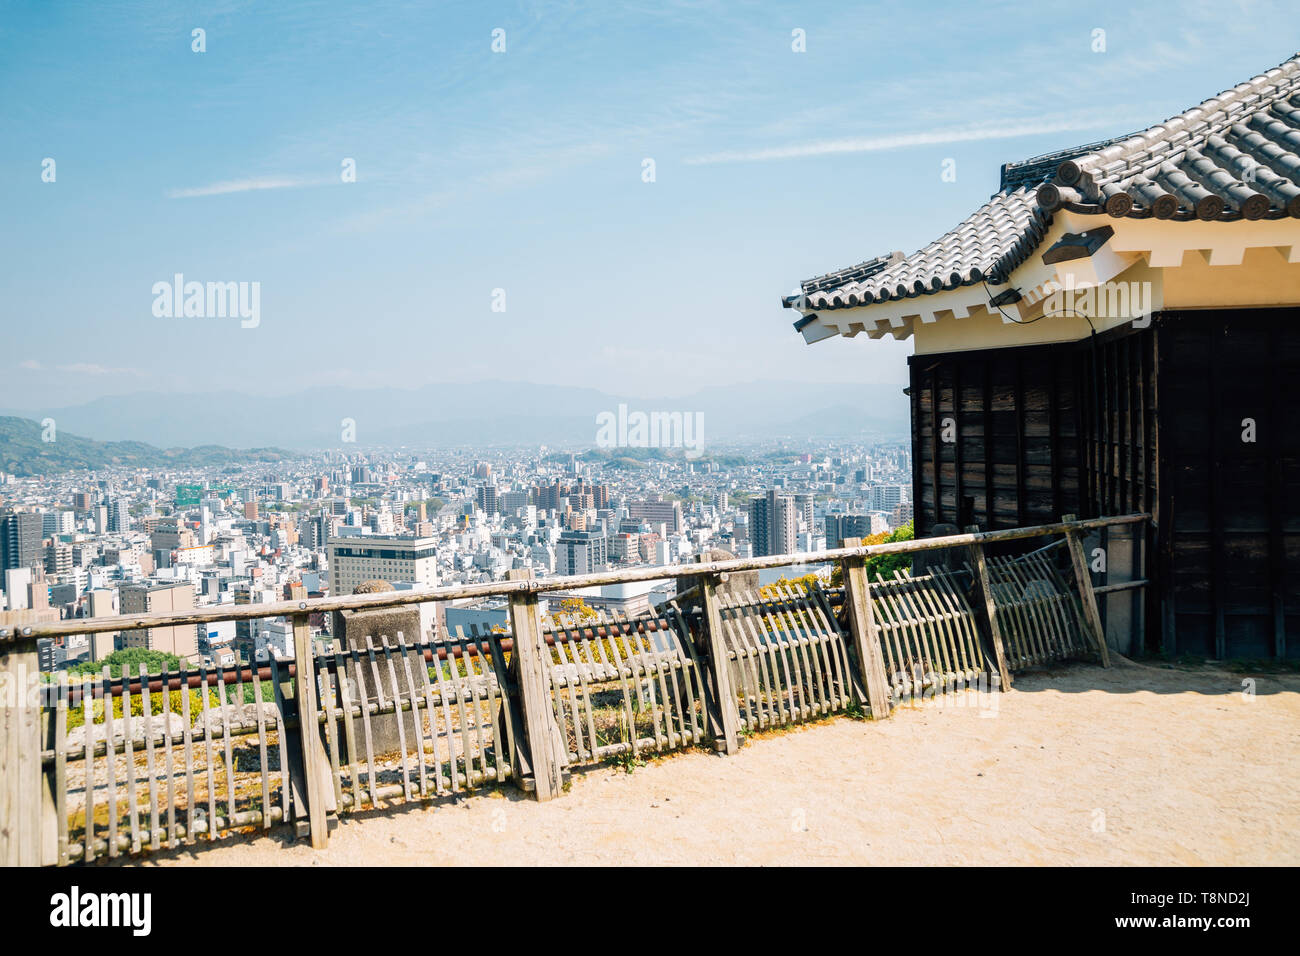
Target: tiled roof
x: 1234, y: 156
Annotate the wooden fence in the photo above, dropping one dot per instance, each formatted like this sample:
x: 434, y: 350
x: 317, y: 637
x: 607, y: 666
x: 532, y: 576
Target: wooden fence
x: 101, y: 766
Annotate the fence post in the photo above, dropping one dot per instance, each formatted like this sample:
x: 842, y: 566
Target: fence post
x: 727, y: 718
x: 315, y: 763
x: 533, y: 657
x: 866, y: 636
x: 1086, y: 595
x: 980, y: 564
x: 20, y: 751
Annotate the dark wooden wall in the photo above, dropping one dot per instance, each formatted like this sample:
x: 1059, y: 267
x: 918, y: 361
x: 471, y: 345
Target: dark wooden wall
x: 1015, y: 457
x: 1230, y: 548
x: 1139, y: 420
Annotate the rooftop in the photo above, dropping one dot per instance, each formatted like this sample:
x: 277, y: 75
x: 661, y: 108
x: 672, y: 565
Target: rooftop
x: 1235, y: 156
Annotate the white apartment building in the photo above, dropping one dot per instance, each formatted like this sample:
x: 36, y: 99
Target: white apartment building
x: 355, y: 558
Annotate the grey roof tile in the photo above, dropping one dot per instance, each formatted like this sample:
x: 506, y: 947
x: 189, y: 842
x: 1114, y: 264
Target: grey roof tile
x: 1234, y: 156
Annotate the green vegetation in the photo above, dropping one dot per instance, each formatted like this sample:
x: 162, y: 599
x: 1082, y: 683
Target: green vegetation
x: 881, y: 565
x: 131, y: 658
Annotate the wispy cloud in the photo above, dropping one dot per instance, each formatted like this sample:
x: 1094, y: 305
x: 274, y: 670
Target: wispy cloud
x: 77, y: 368
x: 244, y: 186
x: 933, y: 137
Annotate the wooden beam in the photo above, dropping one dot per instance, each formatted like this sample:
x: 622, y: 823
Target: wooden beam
x: 20, y: 754
x: 726, y: 712
x: 985, y: 596
x: 866, y: 636
x: 541, y: 731
x: 1087, y: 597
x: 316, y: 767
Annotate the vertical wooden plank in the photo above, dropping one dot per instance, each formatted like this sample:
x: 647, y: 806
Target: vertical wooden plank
x: 727, y: 714
x: 454, y: 666
x: 866, y: 636
x: 449, y: 724
x: 416, y: 721
x: 21, y: 780
x: 61, y: 769
x: 1087, y: 598
x: 315, y: 763
x: 934, y: 444
x: 46, y: 780
x: 542, y: 735
x: 349, y: 730
x: 209, y: 755
x: 397, y: 713
x: 88, y: 763
x: 1276, y: 497
x: 261, y: 748
x: 280, y: 686
x: 959, y: 462
x: 508, y: 700
x: 981, y: 569
x: 1019, y: 400
x: 1058, y: 362
x: 169, y: 763
x: 146, y: 710
x: 188, y: 744
x: 990, y: 497
x: 128, y: 760
x: 918, y: 458
x: 227, y: 725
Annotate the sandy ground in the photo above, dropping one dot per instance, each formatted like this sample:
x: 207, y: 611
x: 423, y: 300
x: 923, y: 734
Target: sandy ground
x: 1135, y: 765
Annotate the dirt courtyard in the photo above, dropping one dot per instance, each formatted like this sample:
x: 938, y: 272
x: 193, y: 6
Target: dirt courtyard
x: 1135, y: 765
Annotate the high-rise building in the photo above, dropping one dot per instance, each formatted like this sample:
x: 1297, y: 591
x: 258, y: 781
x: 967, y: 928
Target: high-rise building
x: 839, y: 527
x: 20, y: 540
x: 487, y: 498
x: 774, y: 524
x: 657, y: 511
x: 581, y: 552
x: 119, y: 516
x: 56, y: 523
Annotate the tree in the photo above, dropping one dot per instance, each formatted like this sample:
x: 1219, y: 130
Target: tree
x: 881, y: 565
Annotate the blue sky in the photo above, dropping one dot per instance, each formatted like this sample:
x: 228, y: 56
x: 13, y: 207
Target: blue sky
x: 522, y: 171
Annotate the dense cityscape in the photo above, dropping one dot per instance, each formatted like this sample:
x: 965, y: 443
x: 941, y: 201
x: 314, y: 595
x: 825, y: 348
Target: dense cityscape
x: 131, y: 541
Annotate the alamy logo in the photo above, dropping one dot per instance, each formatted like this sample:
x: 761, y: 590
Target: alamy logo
x: 208, y: 300
x: 651, y: 430
x: 1107, y: 300
x: 75, y: 909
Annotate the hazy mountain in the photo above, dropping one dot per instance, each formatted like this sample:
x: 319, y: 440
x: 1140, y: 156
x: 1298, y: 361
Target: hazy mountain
x: 487, y: 412
x: 23, y: 451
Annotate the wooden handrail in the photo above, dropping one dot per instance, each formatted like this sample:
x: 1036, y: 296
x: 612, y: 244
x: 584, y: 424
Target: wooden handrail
x: 354, y: 602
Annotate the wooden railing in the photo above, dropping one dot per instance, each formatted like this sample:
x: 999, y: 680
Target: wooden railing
x: 102, y: 766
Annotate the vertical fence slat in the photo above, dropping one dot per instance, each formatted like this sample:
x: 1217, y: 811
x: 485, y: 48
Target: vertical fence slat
x: 61, y: 769
x: 1083, y: 580
x: 88, y: 761
x: 980, y: 566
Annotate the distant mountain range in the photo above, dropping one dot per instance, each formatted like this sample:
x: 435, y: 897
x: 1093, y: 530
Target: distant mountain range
x: 483, y: 413
x: 24, y: 451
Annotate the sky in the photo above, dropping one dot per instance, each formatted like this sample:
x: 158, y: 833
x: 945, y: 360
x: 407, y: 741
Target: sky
x: 787, y: 140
